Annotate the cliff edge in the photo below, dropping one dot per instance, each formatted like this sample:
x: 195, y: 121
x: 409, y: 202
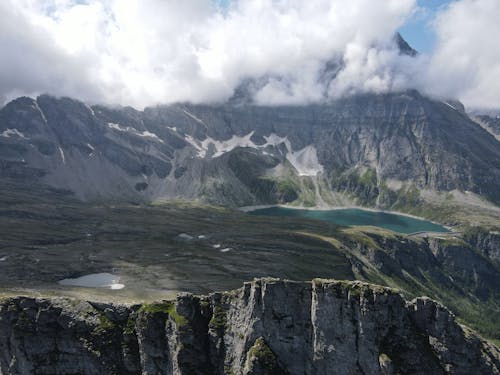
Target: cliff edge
x: 268, y: 326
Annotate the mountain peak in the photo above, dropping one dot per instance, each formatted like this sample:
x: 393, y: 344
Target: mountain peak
x: 403, y: 46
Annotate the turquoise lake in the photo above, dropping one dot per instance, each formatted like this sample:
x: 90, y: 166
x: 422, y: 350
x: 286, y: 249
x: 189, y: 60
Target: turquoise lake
x: 354, y: 216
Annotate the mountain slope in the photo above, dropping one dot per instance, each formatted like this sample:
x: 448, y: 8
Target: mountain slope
x: 373, y: 149
x: 489, y: 123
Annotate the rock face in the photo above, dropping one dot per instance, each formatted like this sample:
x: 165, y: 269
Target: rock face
x: 490, y: 123
x: 267, y: 327
x: 377, y: 148
x: 487, y: 241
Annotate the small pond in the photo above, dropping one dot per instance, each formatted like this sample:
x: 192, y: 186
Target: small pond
x: 95, y: 280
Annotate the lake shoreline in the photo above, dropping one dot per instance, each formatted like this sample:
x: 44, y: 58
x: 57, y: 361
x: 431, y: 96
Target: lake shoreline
x: 248, y: 209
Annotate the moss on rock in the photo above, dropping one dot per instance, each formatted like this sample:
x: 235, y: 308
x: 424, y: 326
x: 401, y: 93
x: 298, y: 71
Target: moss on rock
x: 262, y: 360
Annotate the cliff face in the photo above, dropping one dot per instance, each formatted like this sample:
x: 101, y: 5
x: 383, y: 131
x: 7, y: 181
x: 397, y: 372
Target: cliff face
x: 490, y: 123
x: 487, y: 241
x: 370, y: 146
x: 267, y: 327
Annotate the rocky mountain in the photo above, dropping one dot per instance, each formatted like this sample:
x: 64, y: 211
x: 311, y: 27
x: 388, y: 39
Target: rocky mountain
x: 268, y: 326
x: 370, y: 149
x: 403, y: 46
x: 397, y: 150
x: 489, y: 123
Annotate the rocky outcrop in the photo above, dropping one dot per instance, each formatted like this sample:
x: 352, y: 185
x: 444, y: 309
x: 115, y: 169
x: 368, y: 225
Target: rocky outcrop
x: 485, y: 240
x: 268, y: 326
x: 489, y: 123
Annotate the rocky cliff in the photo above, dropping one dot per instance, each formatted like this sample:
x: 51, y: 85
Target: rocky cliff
x: 266, y: 327
x: 489, y: 123
x: 376, y: 149
x: 485, y: 240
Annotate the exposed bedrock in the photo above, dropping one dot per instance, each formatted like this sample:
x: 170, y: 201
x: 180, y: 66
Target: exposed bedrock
x: 268, y: 326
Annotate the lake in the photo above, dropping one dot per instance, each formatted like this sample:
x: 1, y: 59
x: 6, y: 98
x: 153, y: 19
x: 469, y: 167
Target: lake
x: 356, y: 217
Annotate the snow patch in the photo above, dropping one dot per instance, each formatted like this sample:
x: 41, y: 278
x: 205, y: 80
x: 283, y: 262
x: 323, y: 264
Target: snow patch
x: 226, y: 250
x: 194, y: 117
x: 10, y: 132
x: 36, y: 106
x: 449, y: 105
x: 116, y: 127
x: 275, y: 140
x: 196, y: 144
x: 62, y: 155
x: 222, y: 147
x: 305, y: 161
x: 131, y: 130
x: 90, y: 109
x: 150, y: 135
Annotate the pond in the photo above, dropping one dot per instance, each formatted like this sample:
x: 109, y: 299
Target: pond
x: 95, y: 280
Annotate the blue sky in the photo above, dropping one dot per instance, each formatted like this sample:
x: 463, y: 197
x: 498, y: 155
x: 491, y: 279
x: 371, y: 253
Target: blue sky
x: 418, y: 31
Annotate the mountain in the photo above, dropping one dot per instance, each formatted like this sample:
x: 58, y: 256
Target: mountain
x: 490, y: 124
x: 376, y: 150
x: 76, y: 183
x: 404, y: 47
x: 268, y: 326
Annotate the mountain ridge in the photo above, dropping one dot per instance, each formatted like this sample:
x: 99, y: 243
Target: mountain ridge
x: 368, y: 149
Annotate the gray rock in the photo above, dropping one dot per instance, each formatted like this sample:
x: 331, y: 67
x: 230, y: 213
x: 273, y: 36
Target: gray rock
x: 128, y: 155
x: 269, y: 326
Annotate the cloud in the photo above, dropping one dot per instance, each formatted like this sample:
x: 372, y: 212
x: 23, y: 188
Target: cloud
x: 144, y: 52
x: 30, y: 63
x: 466, y: 62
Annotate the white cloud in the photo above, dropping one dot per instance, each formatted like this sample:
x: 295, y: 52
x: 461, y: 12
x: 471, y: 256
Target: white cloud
x: 466, y: 62
x: 143, y: 52
x: 31, y: 63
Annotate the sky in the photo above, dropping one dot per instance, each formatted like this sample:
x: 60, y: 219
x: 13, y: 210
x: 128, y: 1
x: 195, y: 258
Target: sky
x: 147, y: 52
x: 418, y: 30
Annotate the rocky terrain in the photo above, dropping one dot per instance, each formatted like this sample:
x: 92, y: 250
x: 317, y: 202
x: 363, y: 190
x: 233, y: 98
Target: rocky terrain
x: 376, y: 150
x: 88, y: 189
x: 157, y: 250
x: 489, y: 123
x: 92, y: 189
x: 268, y: 326
x: 485, y: 240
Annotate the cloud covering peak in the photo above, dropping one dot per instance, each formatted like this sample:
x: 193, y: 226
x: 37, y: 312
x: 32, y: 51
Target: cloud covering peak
x: 144, y: 52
